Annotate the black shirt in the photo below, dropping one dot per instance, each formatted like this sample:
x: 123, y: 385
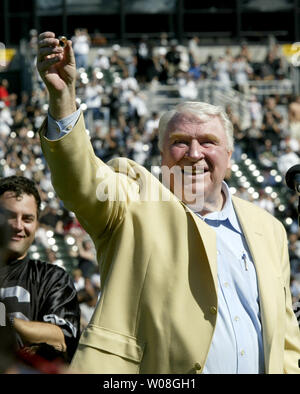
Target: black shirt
x: 36, y: 291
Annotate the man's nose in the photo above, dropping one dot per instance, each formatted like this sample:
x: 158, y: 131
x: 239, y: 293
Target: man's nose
x: 195, y: 151
x: 16, y: 224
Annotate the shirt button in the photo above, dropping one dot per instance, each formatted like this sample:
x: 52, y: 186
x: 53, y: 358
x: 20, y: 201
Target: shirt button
x: 236, y: 318
x: 226, y: 284
x: 242, y: 352
x: 213, y: 310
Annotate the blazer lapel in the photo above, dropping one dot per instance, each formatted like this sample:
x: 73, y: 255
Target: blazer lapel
x: 208, y: 237
x: 267, y: 278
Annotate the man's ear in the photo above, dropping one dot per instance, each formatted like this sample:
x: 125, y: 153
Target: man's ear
x: 229, y: 160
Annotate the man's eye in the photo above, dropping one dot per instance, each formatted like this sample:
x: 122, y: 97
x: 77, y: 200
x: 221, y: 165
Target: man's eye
x: 180, y: 142
x: 28, y: 220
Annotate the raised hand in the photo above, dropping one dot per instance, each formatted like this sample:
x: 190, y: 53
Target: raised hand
x: 57, y: 68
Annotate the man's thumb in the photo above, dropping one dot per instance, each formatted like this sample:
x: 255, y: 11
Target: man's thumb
x: 69, y: 52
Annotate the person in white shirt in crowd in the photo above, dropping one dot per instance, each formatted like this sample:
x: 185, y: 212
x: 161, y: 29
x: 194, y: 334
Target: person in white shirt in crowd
x: 93, y: 96
x: 81, y: 44
x: 188, y: 89
x: 266, y: 202
x: 78, y: 279
x: 223, y: 69
x: 241, y: 70
x: 128, y: 82
x: 151, y: 124
x: 6, y: 120
x: 101, y: 61
x: 287, y: 159
x: 255, y: 109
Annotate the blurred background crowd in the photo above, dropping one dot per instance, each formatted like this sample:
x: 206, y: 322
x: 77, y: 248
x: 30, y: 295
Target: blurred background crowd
x: 122, y: 92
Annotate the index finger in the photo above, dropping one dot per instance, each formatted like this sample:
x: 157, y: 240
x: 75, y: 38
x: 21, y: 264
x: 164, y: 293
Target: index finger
x: 48, y: 42
x: 46, y: 34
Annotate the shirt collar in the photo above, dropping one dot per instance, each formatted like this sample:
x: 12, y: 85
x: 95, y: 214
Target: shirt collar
x: 227, y: 211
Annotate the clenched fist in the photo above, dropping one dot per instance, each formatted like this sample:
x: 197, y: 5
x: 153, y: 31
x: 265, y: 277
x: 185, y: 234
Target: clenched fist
x: 57, y: 68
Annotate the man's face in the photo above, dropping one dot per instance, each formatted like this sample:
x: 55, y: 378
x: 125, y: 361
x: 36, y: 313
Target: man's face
x: 23, y: 222
x: 192, y: 144
x: 271, y: 103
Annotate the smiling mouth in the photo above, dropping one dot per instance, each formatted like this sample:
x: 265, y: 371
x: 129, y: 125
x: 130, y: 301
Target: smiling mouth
x: 193, y: 171
x: 17, y: 238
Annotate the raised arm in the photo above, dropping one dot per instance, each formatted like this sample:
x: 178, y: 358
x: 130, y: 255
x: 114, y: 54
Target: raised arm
x: 80, y: 179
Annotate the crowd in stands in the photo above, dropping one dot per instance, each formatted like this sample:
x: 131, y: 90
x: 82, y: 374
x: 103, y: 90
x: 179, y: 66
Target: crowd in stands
x: 111, y: 90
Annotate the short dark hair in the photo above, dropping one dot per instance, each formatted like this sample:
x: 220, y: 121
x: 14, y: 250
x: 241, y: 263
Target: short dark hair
x: 21, y: 185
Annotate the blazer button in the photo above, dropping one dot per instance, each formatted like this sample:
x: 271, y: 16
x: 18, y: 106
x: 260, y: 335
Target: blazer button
x: 197, y: 367
x: 213, y: 310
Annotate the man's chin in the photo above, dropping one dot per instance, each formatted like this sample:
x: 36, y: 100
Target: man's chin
x: 14, y: 253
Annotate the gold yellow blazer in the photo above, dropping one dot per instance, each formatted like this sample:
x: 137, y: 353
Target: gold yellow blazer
x: 158, y: 266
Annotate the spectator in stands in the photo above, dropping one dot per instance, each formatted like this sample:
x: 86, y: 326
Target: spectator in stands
x: 241, y: 70
x: 151, y: 125
x: 238, y: 133
x: 187, y: 86
x: 78, y: 279
x: 294, y: 253
x: 271, y: 68
x: 101, y: 61
x: 265, y: 202
x: 268, y: 154
x: 87, y: 297
x: 287, y: 159
x: 295, y: 288
x: 272, y: 122
x: 208, y: 68
x: 294, y: 118
x: 145, y: 65
x: 116, y: 60
x: 173, y: 58
x: 5, y: 120
x: 81, y: 44
x: 195, y: 71
x: 93, y: 98
x: 4, y: 94
x: 40, y: 316
x: 194, y: 50
x: 87, y: 257
x: 140, y: 264
x: 223, y: 70
x: 255, y: 109
x: 253, y: 140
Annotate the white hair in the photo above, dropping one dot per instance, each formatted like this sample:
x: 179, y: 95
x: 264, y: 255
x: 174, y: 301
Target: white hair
x: 202, y: 111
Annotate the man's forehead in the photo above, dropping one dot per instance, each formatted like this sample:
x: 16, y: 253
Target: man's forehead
x: 186, y: 118
x: 10, y: 194
x: 185, y: 123
x: 10, y: 197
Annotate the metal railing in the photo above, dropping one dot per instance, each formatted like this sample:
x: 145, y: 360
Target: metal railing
x: 163, y: 97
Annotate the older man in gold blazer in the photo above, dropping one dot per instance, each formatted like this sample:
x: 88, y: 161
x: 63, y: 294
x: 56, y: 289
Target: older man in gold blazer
x: 161, y: 308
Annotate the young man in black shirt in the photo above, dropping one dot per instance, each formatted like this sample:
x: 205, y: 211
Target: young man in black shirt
x: 40, y: 299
